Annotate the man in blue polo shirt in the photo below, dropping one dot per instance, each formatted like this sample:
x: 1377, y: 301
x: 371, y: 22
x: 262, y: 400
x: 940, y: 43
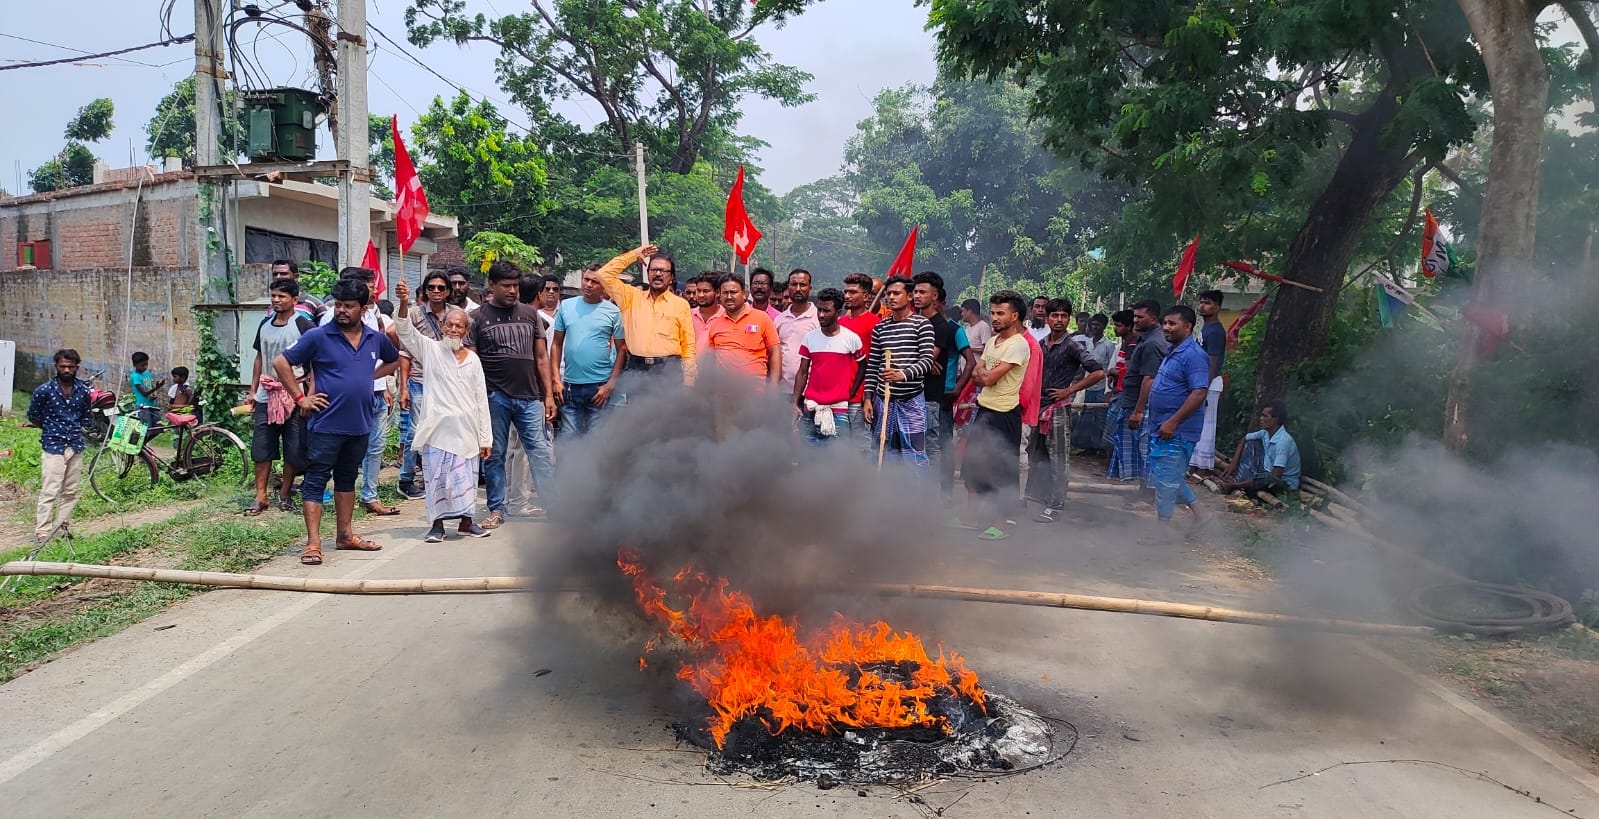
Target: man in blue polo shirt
x: 1175, y: 400
x: 344, y: 356
x: 587, y: 355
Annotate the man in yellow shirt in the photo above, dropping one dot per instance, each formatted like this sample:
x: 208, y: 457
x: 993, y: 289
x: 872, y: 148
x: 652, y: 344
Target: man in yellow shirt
x: 993, y: 451
x: 655, y: 322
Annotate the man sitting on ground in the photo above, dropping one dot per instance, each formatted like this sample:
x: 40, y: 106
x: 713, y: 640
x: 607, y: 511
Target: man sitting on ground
x: 1266, y: 459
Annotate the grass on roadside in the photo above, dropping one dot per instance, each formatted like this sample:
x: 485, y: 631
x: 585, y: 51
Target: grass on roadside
x: 19, y: 476
x: 188, y: 541
x: 1551, y: 681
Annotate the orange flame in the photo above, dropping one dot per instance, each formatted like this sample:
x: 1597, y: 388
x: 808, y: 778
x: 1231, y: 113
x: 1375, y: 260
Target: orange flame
x: 747, y: 665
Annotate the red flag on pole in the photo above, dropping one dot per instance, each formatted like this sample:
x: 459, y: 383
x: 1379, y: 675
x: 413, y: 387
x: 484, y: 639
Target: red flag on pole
x: 1244, y: 318
x: 410, y: 202
x: 905, y: 262
x: 1184, y: 269
x: 370, y: 262
x: 738, y: 230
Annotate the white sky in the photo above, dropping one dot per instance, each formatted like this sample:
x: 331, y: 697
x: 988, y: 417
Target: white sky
x: 853, y: 47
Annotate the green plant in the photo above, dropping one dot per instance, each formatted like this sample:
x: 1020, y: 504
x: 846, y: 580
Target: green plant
x: 489, y: 246
x: 318, y: 278
x: 219, y: 375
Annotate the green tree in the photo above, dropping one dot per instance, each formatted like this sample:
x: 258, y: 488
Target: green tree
x: 74, y: 165
x: 668, y: 73
x: 473, y: 168
x: 93, y: 122
x: 1209, y: 108
x: 170, y: 131
x: 821, y: 235
x: 380, y: 156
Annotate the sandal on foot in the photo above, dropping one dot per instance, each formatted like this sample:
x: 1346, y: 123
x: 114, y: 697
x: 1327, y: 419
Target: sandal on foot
x: 494, y: 521
x: 993, y: 533
x: 473, y: 531
x: 435, y: 535
x: 377, y: 508
x: 356, y: 543
x: 255, y: 508
x: 957, y: 523
x: 286, y: 504
x: 311, y: 556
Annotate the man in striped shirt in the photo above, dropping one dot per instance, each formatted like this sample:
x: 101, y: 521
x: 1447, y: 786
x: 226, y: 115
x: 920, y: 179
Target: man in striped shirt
x: 901, y: 357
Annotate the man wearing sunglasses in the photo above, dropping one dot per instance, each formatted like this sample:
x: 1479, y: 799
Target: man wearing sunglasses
x: 428, y: 319
x: 656, y: 322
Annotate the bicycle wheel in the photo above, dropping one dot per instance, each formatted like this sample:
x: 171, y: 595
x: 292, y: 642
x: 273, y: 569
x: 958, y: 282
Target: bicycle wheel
x: 117, y: 477
x: 216, y: 451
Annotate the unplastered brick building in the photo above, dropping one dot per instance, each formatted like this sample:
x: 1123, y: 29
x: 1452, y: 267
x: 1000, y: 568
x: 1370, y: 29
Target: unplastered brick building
x: 115, y: 267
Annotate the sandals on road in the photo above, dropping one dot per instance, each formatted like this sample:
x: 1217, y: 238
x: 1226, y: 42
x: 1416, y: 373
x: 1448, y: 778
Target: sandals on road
x: 311, y: 556
x: 377, y: 508
x: 356, y: 543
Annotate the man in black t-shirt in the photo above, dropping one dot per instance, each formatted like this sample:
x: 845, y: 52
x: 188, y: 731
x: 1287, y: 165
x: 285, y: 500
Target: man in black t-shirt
x: 1213, y: 338
x: 516, y: 366
x: 1068, y: 370
x: 927, y: 299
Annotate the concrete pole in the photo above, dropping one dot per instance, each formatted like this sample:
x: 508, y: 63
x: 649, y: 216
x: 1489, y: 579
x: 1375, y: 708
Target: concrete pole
x: 350, y: 142
x: 643, y: 206
x: 210, y: 238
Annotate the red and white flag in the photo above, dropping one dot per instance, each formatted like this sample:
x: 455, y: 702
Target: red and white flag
x: 1436, y: 256
x: 410, y: 201
x: 905, y: 263
x: 738, y: 230
x: 1185, y: 268
x: 1243, y: 319
x: 370, y: 262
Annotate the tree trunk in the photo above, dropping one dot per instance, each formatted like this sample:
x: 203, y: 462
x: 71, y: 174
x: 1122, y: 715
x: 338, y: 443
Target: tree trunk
x: 1518, y: 81
x: 1321, y: 252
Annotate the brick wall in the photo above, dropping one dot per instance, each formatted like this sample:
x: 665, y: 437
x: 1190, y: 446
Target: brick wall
x: 93, y: 226
x: 46, y: 310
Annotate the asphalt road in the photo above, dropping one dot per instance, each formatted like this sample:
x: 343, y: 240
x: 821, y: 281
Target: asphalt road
x: 260, y: 704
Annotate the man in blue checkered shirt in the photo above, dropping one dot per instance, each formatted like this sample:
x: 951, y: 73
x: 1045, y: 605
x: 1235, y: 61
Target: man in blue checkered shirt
x: 60, y: 409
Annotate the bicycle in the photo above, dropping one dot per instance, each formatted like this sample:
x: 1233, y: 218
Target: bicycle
x: 201, y: 450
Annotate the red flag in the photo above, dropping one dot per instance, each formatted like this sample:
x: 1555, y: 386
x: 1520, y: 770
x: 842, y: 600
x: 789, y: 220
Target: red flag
x: 906, y: 260
x: 1184, y: 269
x: 370, y: 262
x: 410, y: 202
x: 1246, y: 267
x: 1244, y: 318
x: 738, y: 230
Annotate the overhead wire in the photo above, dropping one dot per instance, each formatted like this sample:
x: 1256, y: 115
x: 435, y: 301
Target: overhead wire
x: 42, y: 63
x: 66, y: 48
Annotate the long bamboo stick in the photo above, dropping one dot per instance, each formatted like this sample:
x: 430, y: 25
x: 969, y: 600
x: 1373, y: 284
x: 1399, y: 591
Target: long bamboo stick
x: 528, y: 584
x: 1155, y: 608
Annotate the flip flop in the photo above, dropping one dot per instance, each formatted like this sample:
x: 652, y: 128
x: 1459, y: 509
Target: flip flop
x: 381, y: 510
x: 311, y: 556
x: 255, y: 508
x: 357, y: 544
x: 957, y: 523
x: 993, y: 533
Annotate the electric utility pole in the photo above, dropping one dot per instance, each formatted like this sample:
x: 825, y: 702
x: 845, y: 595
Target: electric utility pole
x: 643, y: 207
x: 208, y: 77
x: 350, y: 143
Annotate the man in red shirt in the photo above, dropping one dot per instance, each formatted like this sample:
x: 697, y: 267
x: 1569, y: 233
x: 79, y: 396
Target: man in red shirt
x: 830, y: 371
x: 859, y: 319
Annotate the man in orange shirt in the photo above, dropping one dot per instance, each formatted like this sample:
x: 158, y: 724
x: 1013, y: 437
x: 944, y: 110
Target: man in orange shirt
x: 744, y: 340
x: 660, y: 334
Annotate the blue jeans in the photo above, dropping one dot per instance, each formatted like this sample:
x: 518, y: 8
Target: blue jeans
x: 527, y: 416
x: 374, y: 449
x: 577, y: 414
x: 842, y: 422
x: 410, y: 461
x: 1168, y: 466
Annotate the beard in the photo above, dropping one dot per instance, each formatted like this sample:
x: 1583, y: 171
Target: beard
x: 451, y: 343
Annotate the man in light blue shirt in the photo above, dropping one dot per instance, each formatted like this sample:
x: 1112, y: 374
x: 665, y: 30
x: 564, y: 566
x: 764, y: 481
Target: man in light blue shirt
x: 589, y: 353
x: 1266, y: 459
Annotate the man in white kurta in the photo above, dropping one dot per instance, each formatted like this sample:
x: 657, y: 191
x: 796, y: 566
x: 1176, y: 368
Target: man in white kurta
x: 454, y: 434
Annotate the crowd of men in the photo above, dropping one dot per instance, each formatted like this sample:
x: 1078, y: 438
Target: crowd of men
x: 886, y: 371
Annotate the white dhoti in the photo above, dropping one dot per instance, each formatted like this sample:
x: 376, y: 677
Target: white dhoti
x: 1205, y: 452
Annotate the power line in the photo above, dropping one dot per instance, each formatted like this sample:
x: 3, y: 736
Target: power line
x: 174, y: 41
x: 66, y: 48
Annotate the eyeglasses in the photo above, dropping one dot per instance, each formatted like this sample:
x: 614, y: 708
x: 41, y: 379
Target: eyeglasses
x: 660, y: 270
x: 441, y: 287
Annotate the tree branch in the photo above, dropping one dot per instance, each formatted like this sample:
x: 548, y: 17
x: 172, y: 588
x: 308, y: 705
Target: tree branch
x: 1449, y: 174
x: 1590, y: 36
